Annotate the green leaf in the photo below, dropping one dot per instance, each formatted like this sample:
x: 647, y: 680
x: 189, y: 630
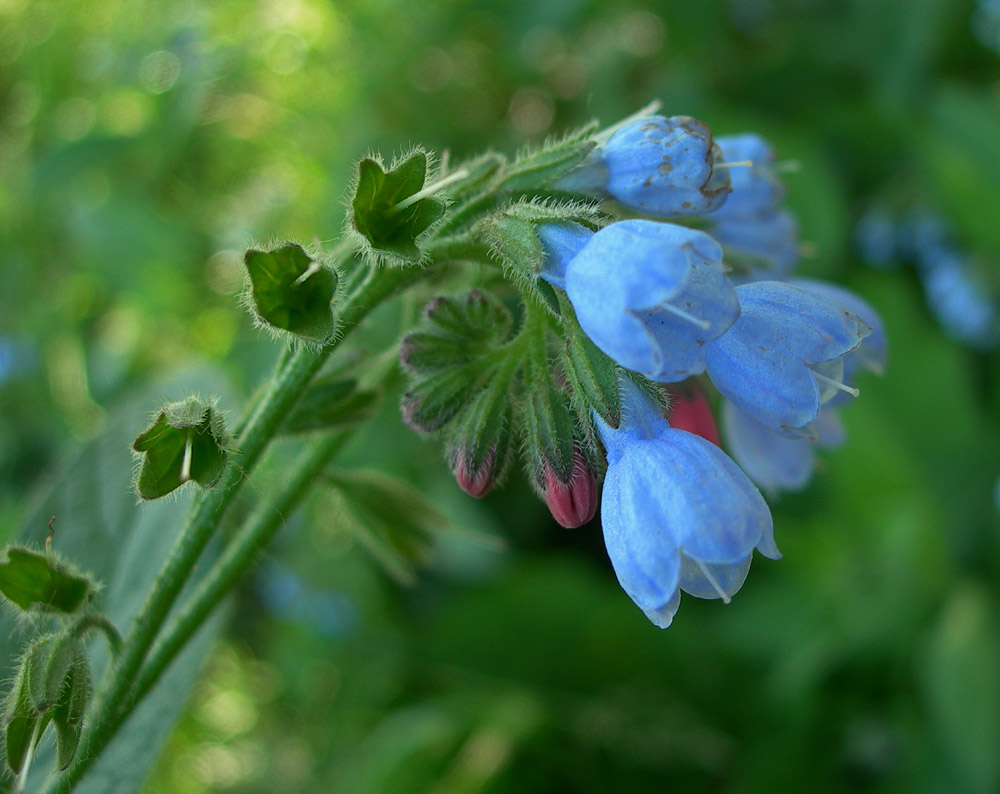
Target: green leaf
x: 381, y: 210
x: 394, y: 521
x: 291, y: 291
x: 331, y: 401
x: 123, y: 543
x: 187, y: 442
x: 962, y: 678
x: 36, y: 580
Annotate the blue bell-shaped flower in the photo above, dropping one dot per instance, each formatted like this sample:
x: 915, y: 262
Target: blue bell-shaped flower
x: 677, y: 513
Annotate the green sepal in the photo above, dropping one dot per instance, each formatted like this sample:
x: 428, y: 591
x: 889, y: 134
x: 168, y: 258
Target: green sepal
x: 186, y: 442
x: 480, y: 172
x: 331, y: 401
x: 433, y: 401
x: 456, y: 332
x: 392, y: 230
x: 485, y: 426
x: 541, y: 167
x: 393, y: 520
x: 513, y: 239
x: 514, y: 242
x: 20, y: 722
x: 37, y: 580
x: 72, y: 707
x: 593, y: 376
x: 49, y: 663
x: 290, y: 291
x: 546, y: 418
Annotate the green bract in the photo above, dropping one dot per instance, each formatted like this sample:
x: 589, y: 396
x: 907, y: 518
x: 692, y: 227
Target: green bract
x: 186, y: 442
x: 387, y: 210
x: 291, y: 291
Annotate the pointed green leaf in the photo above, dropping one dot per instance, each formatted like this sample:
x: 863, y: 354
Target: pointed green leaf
x: 33, y: 579
x: 331, y: 401
x: 391, y: 518
x: 186, y: 442
x: 291, y: 291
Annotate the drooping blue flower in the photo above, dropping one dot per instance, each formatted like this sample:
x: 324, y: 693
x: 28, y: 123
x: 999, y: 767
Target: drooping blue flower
x: 767, y: 242
x: 774, y: 461
x: 784, y: 357
x: 658, y: 166
x: 677, y: 513
x: 650, y: 295
x: 755, y: 231
x: 756, y: 188
x: 872, y: 353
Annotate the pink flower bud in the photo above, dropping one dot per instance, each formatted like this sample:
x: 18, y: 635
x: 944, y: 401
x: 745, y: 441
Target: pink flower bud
x: 475, y: 482
x: 690, y: 411
x: 571, y: 503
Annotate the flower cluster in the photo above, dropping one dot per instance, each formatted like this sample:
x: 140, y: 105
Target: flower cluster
x: 673, y: 294
x: 672, y: 302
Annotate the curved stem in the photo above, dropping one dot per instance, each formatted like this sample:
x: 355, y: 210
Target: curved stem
x: 206, y: 512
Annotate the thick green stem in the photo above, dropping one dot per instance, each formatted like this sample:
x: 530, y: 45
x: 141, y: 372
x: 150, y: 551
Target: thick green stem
x: 206, y: 512
x: 260, y: 528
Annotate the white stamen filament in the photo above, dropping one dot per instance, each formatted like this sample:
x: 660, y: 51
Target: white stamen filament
x: 835, y: 383
x: 313, y: 269
x: 714, y: 582
x: 430, y: 190
x: 703, y: 324
x: 736, y: 164
x: 186, y: 463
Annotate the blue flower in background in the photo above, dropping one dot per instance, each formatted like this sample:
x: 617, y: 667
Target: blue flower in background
x: 677, y: 513
x: 766, y: 241
x: 960, y: 300
x: 751, y: 225
x: 773, y: 461
x: 657, y: 166
x: 756, y: 188
x: 784, y: 357
x: 649, y: 294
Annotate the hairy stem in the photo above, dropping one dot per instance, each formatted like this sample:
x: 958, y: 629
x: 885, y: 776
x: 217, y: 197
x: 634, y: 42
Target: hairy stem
x: 289, y: 382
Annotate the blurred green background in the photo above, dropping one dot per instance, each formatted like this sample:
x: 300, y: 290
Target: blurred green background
x: 145, y: 145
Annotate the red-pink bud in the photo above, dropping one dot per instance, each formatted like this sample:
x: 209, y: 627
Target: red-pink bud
x: 690, y: 411
x: 571, y: 503
x: 475, y: 482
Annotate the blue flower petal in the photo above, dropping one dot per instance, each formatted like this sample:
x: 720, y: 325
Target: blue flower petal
x: 756, y: 188
x: 651, y: 295
x: 768, y: 362
x: 713, y: 580
x: 665, y: 167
